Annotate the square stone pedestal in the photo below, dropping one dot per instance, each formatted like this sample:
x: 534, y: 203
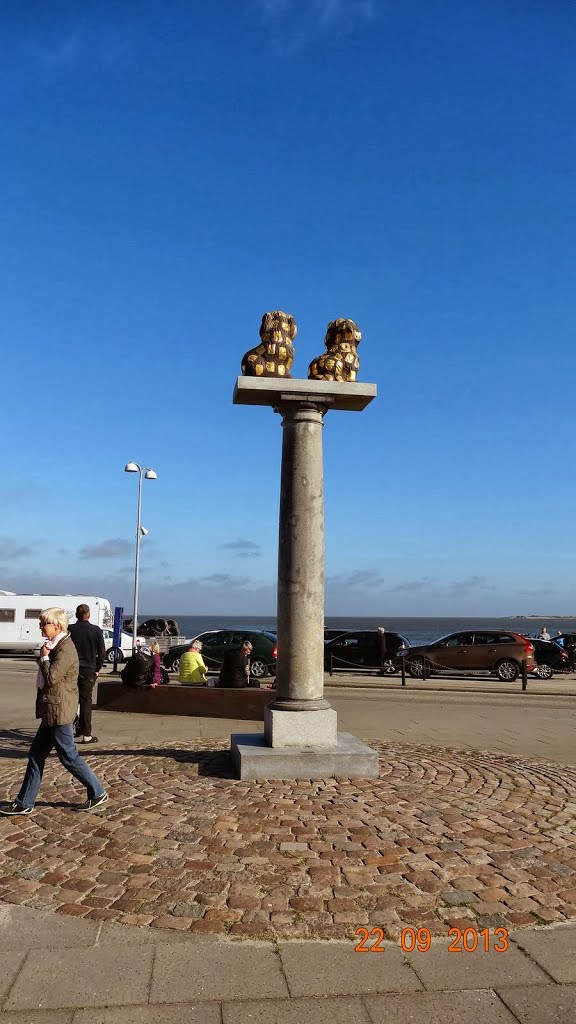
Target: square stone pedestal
x: 300, y: 728
x: 349, y: 758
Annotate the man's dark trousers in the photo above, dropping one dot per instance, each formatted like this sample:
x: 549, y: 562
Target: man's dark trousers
x: 86, y: 680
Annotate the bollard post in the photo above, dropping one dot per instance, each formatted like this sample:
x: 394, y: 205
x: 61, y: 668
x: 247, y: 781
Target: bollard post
x: 403, y: 670
x: 331, y: 669
x: 423, y: 670
x: 524, y: 675
x: 117, y: 637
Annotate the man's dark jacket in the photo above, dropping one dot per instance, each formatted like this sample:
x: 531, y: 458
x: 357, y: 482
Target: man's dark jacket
x: 89, y: 642
x: 233, y: 669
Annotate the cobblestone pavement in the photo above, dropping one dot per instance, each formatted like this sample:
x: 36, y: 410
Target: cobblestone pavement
x: 441, y: 839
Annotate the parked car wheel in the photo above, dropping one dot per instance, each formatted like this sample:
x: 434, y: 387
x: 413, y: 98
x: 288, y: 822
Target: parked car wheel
x: 418, y: 666
x: 175, y: 666
x: 389, y: 668
x: 544, y: 671
x: 258, y: 669
x: 507, y: 671
x: 110, y: 655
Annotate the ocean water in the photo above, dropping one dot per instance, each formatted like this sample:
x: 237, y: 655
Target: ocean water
x: 416, y: 630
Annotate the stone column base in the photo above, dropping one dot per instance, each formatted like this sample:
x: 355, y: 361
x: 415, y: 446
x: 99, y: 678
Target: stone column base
x: 253, y: 759
x: 300, y: 728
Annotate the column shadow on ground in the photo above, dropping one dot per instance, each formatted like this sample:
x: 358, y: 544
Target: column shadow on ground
x: 214, y: 763
x: 14, y: 743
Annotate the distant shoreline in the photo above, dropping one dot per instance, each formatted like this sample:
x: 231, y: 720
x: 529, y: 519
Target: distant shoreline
x: 423, y: 618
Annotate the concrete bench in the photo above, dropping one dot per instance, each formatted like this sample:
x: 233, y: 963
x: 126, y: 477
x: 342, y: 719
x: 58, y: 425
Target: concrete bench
x: 174, y: 699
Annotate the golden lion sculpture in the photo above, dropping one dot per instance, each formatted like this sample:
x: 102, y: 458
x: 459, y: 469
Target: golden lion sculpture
x: 340, y: 361
x: 275, y: 355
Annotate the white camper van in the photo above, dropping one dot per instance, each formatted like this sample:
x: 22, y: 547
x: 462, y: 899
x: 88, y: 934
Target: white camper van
x: 19, y: 614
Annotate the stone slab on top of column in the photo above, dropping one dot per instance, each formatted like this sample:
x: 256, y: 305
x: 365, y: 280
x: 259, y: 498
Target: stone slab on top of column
x: 351, y: 397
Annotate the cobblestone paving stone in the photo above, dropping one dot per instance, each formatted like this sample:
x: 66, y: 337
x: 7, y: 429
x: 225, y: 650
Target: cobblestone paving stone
x: 442, y: 838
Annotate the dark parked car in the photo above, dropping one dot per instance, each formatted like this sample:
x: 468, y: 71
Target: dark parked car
x: 216, y: 642
x: 567, y: 643
x: 330, y: 633
x: 490, y: 650
x: 550, y: 657
x: 360, y: 649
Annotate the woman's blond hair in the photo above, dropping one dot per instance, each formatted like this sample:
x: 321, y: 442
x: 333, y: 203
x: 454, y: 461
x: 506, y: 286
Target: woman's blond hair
x: 155, y: 647
x: 54, y: 616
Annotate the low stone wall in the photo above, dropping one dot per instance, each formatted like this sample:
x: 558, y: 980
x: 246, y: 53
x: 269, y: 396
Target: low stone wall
x: 199, y: 701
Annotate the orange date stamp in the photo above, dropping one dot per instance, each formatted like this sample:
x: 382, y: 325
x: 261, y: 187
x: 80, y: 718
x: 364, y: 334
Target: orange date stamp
x: 464, y: 940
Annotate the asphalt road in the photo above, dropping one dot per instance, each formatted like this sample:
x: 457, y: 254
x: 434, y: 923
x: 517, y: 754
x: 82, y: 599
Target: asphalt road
x: 462, y: 714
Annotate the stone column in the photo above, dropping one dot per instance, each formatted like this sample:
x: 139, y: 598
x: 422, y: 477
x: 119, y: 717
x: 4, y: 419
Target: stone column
x: 300, y: 670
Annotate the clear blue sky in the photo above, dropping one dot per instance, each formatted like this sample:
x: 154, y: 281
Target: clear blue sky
x: 168, y: 172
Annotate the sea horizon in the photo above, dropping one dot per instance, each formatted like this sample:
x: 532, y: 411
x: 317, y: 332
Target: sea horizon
x: 416, y: 629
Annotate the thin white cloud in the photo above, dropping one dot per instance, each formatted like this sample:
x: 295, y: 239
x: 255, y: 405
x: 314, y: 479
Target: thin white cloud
x: 293, y: 23
x: 275, y: 8
x: 69, y: 42
x: 319, y: 12
x: 61, y: 52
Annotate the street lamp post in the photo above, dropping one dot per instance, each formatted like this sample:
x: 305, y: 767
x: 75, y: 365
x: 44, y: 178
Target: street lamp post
x: 144, y: 472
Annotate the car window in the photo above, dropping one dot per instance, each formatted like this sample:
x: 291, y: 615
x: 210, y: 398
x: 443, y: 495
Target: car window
x: 485, y: 638
x: 371, y: 639
x: 504, y: 638
x: 460, y: 640
x: 349, y: 640
x: 217, y: 640
x: 337, y: 641
x: 237, y: 638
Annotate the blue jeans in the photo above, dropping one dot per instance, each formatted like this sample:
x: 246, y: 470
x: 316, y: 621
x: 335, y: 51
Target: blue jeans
x: 61, y: 737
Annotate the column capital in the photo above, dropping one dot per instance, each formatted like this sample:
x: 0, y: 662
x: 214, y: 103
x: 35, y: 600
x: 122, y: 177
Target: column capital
x: 294, y: 411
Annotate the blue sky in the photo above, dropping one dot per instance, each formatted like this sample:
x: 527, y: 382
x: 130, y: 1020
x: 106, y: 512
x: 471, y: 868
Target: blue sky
x: 171, y: 171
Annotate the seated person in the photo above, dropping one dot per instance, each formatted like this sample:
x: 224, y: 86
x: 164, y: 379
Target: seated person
x: 192, y: 668
x: 156, y: 664
x: 235, y: 669
x: 139, y: 669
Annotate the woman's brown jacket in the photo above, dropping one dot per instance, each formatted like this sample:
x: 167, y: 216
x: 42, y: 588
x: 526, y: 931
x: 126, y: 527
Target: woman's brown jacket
x: 57, y: 701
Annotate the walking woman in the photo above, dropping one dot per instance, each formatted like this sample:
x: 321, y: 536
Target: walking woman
x: 56, y: 706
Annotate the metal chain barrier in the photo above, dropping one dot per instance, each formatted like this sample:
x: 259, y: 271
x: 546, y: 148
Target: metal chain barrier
x: 337, y: 662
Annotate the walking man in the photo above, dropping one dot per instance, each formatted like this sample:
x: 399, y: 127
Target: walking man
x: 382, y: 648
x: 56, y: 703
x: 89, y: 643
